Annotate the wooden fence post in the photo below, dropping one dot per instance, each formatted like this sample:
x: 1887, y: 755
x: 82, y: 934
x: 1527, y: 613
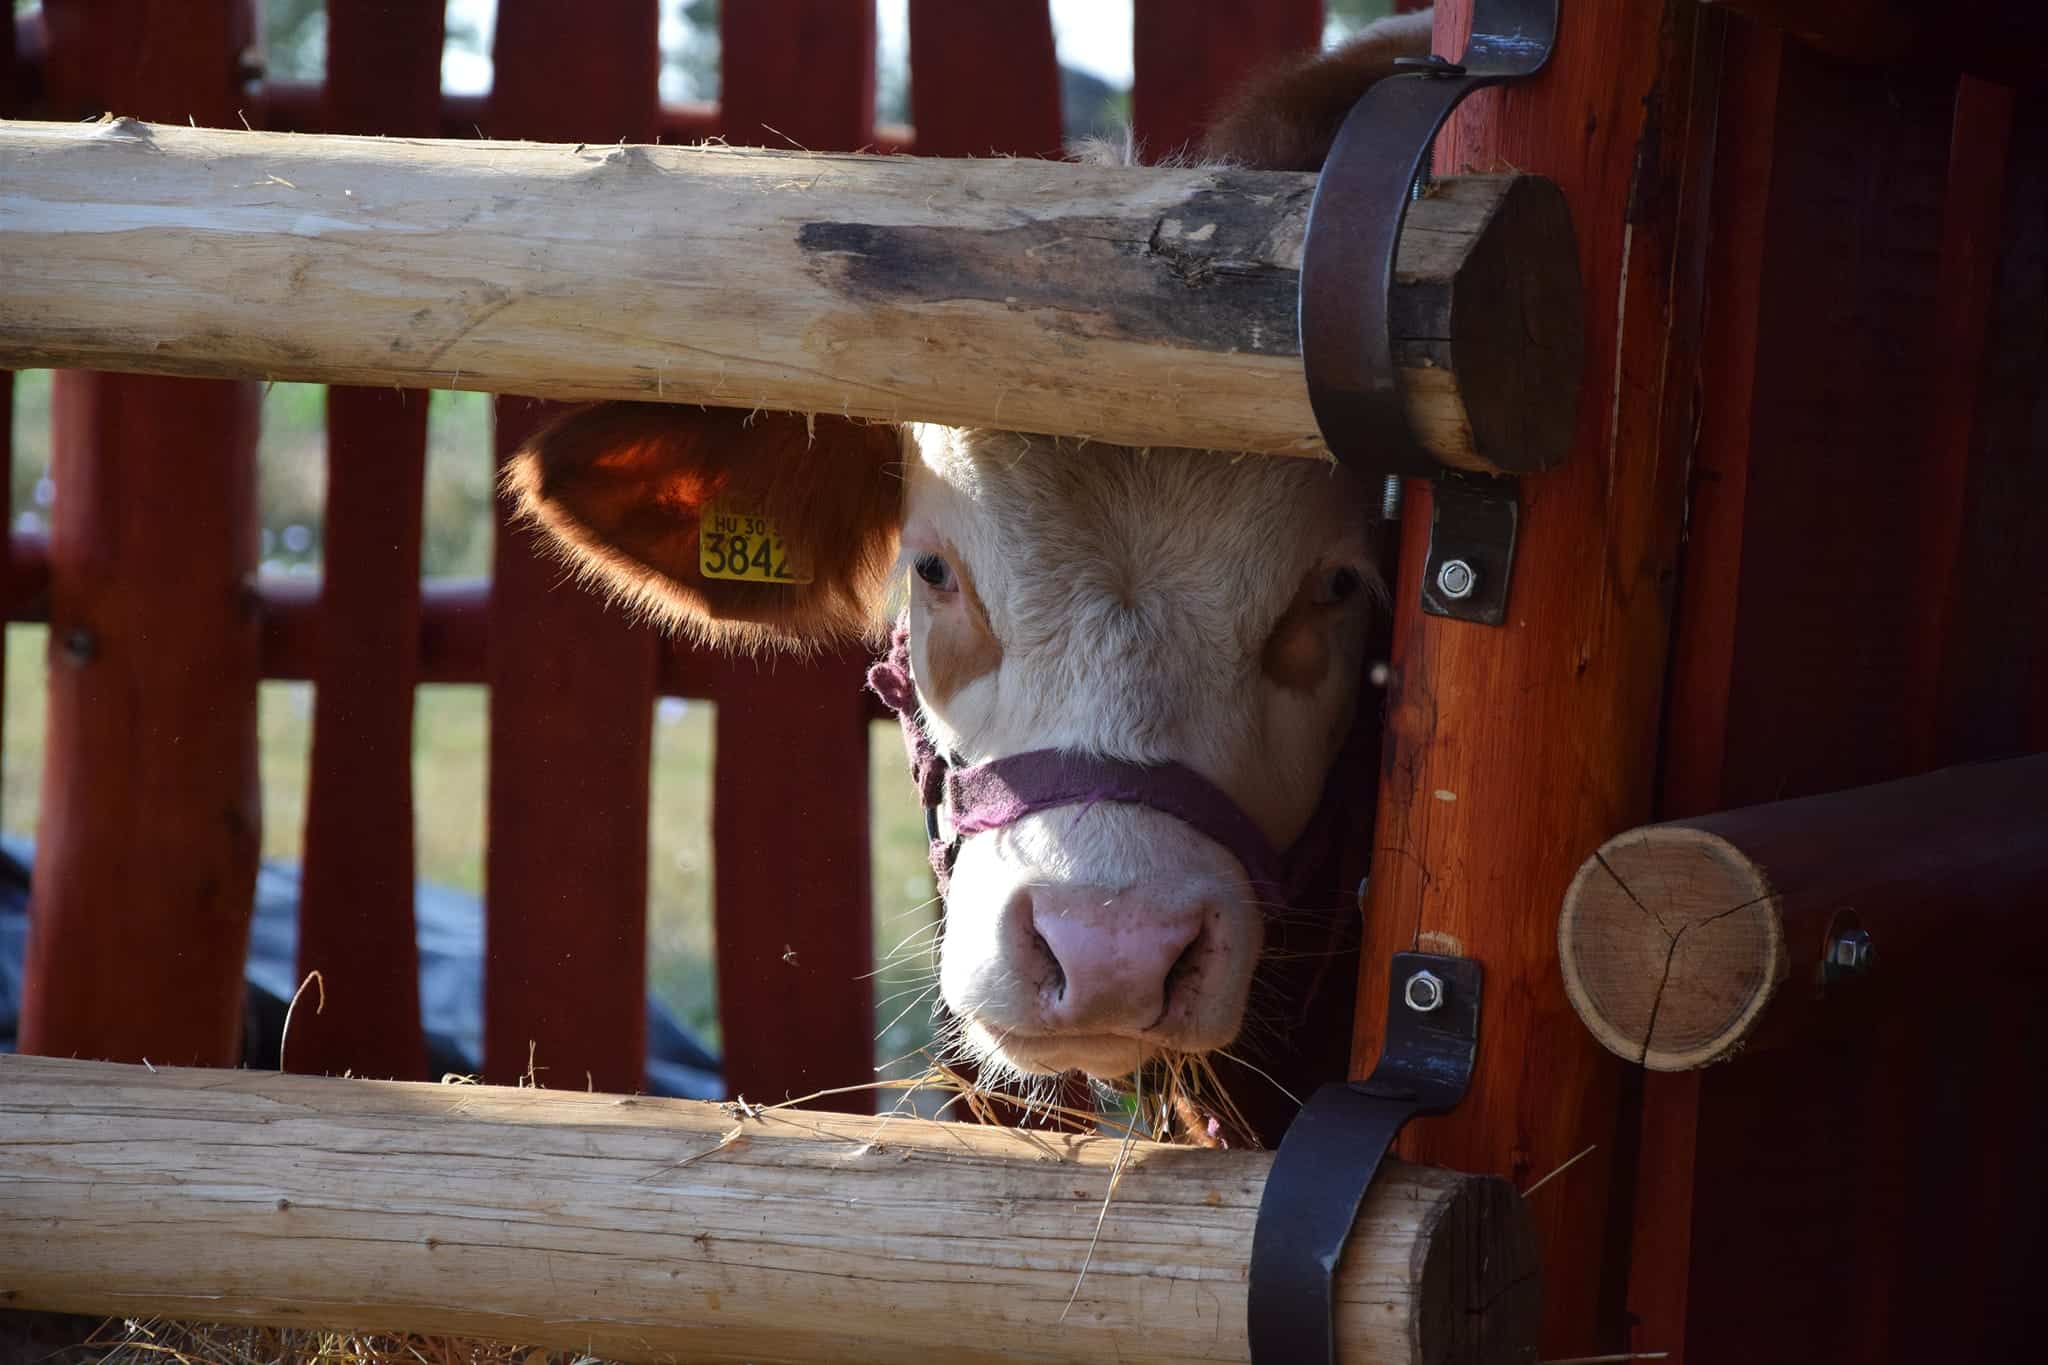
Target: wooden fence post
x: 572, y: 682
x: 1512, y: 752
x: 958, y: 54
x: 1187, y: 58
x: 794, y: 919
x: 150, y: 823
x: 356, y: 898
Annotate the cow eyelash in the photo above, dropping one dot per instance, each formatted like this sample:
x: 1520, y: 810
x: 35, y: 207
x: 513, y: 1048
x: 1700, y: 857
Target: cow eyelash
x: 935, y: 572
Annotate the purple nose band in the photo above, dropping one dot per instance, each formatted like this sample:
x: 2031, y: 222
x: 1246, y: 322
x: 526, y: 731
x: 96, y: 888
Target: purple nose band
x: 1003, y: 791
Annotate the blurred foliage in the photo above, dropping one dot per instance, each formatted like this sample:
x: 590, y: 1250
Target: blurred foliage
x: 295, y: 39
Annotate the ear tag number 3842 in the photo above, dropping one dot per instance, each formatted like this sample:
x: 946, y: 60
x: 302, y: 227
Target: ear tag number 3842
x: 735, y: 543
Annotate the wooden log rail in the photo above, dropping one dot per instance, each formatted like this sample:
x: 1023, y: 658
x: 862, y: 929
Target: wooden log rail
x: 1683, y: 943
x: 1028, y: 295
x: 653, y: 1229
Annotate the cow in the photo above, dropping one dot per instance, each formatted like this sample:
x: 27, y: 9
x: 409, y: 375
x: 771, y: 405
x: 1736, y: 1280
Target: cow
x: 1096, y: 614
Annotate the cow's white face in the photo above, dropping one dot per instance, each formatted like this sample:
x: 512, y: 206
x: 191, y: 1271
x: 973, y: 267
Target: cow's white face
x: 1149, y: 606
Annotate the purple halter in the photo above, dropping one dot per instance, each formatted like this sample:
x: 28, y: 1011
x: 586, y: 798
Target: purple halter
x: 1004, y: 790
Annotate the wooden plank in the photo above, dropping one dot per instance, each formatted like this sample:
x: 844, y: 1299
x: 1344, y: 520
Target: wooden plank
x: 1992, y: 696
x: 356, y: 898
x: 1186, y: 59
x: 1966, y: 282
x: 984, y: 79
x: 1854, y: 232
x: 572, y: 683
x: 1486, y: 809
x: 798, y: 73
x: 794, y: 926
x: 1807, y: 667
x: 646, y: 1229
x: 11, y: 78
x: 1020, y: 294
x: 149, y: 827
x: 2006, y: 40
x: 1740, y: 65
x: 356, y: 883
x: 793, y: 922
x: 383, y: 69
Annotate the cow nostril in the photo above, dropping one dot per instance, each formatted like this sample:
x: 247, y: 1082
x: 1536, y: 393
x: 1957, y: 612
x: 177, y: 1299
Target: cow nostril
x: 1058, y: 982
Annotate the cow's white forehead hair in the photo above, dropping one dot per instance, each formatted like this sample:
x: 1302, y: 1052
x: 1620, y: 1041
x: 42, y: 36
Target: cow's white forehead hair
x: 1132, y: 592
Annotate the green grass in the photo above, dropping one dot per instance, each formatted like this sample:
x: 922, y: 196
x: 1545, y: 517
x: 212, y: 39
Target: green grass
x: 450, y: 732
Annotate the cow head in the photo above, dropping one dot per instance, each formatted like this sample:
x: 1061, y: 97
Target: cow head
x: 1151, y: 606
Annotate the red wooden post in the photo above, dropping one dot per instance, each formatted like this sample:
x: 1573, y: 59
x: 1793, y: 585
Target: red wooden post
x: 795, y: 932
x: 984, y: 79
x: 794, y: 923
x: 146, y: 853
x: 798, y: 72
x: 356, y: 900
x: 1187, y: 58
x: 1486, y: 808
x: 572, y: 682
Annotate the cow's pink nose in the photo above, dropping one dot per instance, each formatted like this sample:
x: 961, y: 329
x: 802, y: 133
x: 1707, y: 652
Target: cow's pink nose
x: 1116, y: 954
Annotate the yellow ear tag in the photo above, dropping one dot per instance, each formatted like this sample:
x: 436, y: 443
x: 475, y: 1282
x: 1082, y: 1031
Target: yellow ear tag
x: 735, y: 543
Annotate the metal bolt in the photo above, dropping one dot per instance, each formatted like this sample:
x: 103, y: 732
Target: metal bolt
x: 1424, y: 992
x: 1456, y: 579
x: 1849, y: 953
x: 1390, y: 498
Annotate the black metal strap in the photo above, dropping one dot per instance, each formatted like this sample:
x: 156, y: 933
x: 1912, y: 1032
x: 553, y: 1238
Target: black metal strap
x: 1333, y: 1149
x: 1354, y: 230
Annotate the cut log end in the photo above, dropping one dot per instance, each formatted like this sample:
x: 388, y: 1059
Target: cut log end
x: 1481, y: 1297
x: 1671, y: 946
x: 1488, y: 327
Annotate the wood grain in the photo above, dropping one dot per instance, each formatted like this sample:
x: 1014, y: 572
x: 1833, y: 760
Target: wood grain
x: 356, y: 887
x: 1683, y: 943
x: 1033, y: 296
x: 1513, y: 752
x: 571, y: 679
x: 642, y: 1229
x: 149, y: 823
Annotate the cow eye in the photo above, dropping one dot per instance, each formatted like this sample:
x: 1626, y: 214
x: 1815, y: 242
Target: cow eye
x: 1336, y: 585
x: 936, y: 573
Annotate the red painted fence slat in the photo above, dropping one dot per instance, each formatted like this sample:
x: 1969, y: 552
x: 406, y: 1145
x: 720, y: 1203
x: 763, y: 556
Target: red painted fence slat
x: 356, y: 900
x: 984, y: 79
x: 798, y: 72
x: 789, y: 806
x: 795, y: 934
x: 1187, y: 58
x: 572, y: 683
x: 146, y: 853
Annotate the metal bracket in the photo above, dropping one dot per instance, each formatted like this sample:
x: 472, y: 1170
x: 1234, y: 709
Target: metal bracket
x: 1333, y: 1149
x: 1471, y: 548
x: 1354, y: 231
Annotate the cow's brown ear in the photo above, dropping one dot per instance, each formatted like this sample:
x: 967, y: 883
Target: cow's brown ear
x: 744, y: 530
x: 1285, y: 118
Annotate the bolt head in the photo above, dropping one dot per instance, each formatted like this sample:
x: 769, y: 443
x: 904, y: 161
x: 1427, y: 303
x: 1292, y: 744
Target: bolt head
x: 1849, y: 952
x: 1424, y: 992
x: 1456, y: 579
